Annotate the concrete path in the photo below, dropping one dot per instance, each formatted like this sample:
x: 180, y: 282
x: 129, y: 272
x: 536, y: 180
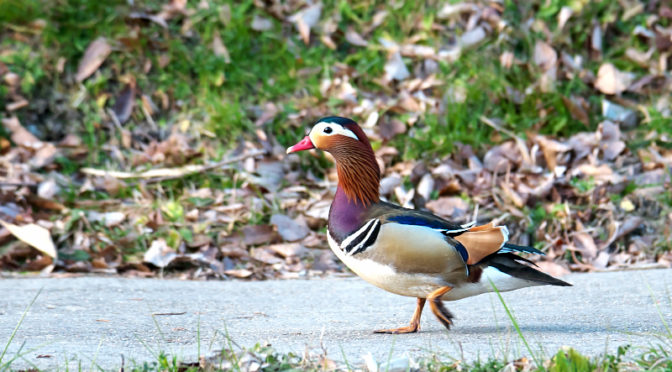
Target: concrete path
x: 87, y: 318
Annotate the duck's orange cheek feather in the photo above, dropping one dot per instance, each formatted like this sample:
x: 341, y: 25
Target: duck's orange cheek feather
x: 323, y: 142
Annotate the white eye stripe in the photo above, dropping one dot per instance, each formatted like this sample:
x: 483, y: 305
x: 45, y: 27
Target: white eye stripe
x: 336, y: 129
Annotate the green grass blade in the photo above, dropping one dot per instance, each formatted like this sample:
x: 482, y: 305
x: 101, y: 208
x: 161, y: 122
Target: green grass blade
x: 515, y: 325
x: 16, y: 329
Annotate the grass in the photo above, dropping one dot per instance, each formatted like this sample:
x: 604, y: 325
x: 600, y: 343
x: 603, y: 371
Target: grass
x: 219, y: 96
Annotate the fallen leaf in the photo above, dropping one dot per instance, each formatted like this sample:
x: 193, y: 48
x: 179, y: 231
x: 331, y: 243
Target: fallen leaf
x: 20, y: 103
x: 257, y: 234
x: 261, y: 23
x: 627, y: 205
x: 448, y: 206
x: 263, y: 255
x: 305, y: 19
x: 610, y: 140
x: 44, y: 156
x: 390, y: 128
x: 288, y: 249
x: 34, y: 235
x: 20, y: 135
x: 586, y: 245
x: 544, y: 56
x: 472, y: 37
x: 578, y: 108
x: 502, y: 157
x: 123, y: 106
x: 455, y: 10
x: 619, y: 113
x: 354, y: 38
x: 48, y: 188
x: 552, y: 268
x: 395, y: 69
x: 290, y: 230
x: 426, y: 186
x: 159, y: 254
x: 219, y: 48
x: 610, y: 80
x: 108, y: 219
x: 94, y: 56
x: 563, y: 16
x: 239, y: 273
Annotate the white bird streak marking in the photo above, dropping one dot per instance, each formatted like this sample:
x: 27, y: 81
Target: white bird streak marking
x: 360, y: 246
x: 342, y: 130
x: 354, y: 236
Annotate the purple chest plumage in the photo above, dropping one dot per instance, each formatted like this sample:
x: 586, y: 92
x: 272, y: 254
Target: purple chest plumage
x: 345, y: 216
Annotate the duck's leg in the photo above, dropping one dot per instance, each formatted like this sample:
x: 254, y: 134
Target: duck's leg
x: 414, y: 326
x: 436, y: 304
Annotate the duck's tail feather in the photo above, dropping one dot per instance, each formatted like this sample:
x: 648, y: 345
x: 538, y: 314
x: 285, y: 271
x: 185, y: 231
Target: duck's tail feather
x: 508, y: 248
x: 519, y: 267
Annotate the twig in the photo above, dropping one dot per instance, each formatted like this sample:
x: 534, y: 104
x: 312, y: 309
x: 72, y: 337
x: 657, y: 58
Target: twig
x: 167, y: 173
x: 17, y: 184
x: 521, y: 144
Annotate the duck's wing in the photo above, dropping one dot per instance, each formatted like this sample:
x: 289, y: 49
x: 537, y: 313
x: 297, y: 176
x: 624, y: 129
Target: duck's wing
x: 473, y: 243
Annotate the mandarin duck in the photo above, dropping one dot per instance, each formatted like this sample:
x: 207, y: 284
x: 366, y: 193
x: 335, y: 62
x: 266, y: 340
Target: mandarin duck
x: 411, y: 252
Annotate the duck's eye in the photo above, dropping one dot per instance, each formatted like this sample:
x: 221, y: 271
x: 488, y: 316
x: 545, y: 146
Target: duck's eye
x: 328, y: 130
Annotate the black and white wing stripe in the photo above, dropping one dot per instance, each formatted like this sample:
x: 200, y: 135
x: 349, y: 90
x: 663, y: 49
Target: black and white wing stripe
x: 361, y: 239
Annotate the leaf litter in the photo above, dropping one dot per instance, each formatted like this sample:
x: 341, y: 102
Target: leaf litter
x: 590, y: 200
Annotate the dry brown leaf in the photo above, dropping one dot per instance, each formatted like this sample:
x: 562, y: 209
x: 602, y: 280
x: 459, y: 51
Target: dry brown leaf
x: 261, y: 23
x: 34, y: 235
x: 503, y: 157
x: 552, y: 268
x: 472, y: 37
x: 18, y: 104
x: 239, y: 273
x: 305, y: 19
x: 290, y: 230
x: 395, y: 68
x: 610, y: 80
x: 123, y: 106
x: 258, y: 234
x: 264, y: 255
x: 563, y: 16
x: 108, y: 219
x: 44, y: 156
x: 578, y: 108
x: 390, y: 128
x: 355, y: 38
x: 159, y: 254
x: 602, y: 173
x: 586, y: 245
x: 449, y: 206
x: 94, y: 56
x: 288, y: 249
x: 610, y: 140
x: 219, y: 48
x: 426, y: 186
x: 544, y: 56
x: 20, y: 135
x: 582, y: 144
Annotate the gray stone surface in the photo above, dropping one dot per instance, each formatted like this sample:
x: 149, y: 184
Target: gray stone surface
x: 95, y: 318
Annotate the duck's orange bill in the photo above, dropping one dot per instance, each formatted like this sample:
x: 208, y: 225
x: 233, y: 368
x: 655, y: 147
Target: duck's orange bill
x: 305, y: 144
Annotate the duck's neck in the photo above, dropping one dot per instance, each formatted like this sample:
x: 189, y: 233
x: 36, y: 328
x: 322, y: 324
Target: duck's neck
x: 345, y: 215
x: 358, y: 183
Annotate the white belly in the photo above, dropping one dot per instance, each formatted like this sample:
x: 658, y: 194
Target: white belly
x: 503, y: 282
x: 385, y: 277
x: 421, y: 285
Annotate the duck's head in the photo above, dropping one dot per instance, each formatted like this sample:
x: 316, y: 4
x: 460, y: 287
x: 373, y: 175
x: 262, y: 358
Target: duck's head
x: 333, y: 134
x: 356, y: 164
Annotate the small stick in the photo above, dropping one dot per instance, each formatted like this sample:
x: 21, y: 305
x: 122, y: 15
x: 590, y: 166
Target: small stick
x: 167, y: 173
